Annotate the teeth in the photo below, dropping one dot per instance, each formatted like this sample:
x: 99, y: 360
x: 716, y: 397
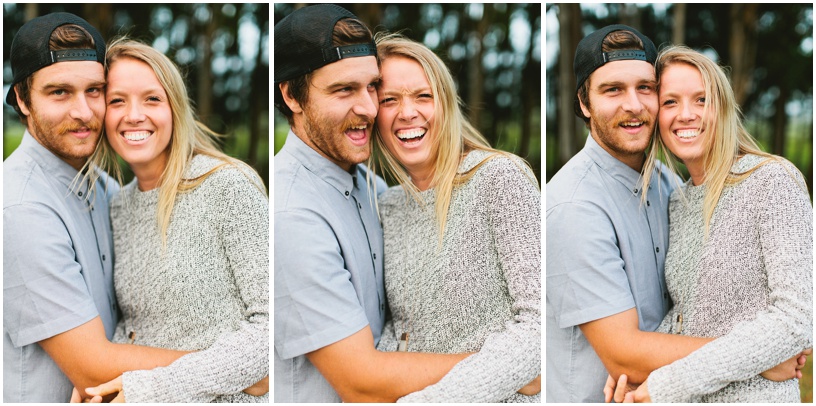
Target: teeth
x: 359, y: 127
x: 687, y: 133
x: 136, y: 135
x: 409, y: 134
x: 631, y: 124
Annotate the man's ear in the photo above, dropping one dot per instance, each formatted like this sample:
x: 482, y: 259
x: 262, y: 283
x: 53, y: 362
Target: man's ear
x: 23, y: 108
x: 584, y: 109
x: 288, y: 99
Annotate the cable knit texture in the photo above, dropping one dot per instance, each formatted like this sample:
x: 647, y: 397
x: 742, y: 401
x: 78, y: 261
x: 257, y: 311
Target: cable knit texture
x: 750, y: 284
x: 209, y: 292
x: 481, y: 292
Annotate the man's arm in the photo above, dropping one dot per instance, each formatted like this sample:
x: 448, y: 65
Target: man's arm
x: 624, y: 349
x: 360, y: 373
x: 86, y: 356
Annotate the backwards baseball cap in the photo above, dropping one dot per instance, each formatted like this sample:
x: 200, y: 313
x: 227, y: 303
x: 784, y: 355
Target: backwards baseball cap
x: 590, y: 56
x: 30, y: 51
x: 303, y: 41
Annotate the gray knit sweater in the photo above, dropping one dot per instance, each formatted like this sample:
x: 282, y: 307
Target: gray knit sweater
x: 208, y: 292
x: 481, y: 292
x: 750, y: 284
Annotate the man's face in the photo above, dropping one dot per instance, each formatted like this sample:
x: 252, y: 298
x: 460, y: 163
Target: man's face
x: 67, y: 108
x: 623, y: 106
x: 339, y: 114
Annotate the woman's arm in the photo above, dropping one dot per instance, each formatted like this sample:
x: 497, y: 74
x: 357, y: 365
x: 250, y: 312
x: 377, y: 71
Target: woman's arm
x: 509, y: 358
x: 240, y: 358
x: 777, y: 333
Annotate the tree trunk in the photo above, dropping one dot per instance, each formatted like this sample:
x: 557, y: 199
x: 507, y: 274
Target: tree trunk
x: 742, y: 49
x: 780, y: 123
x: 569, y: 19
x: 475, y: 100
x: 679, y: 28
x: 204, y: 106
x: 532, y: 78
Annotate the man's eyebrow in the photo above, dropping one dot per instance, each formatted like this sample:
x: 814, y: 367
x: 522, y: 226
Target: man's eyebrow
x: 62, y: 85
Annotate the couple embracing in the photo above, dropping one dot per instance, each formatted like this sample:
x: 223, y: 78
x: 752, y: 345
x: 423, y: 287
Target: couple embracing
x: 426, y: 291
x: 731, y: 318
x: 156, y: 291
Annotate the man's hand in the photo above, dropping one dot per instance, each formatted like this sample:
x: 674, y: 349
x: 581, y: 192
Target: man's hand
x: 260, y: 388
x: 789, y: 369
x: 532, y: 388
x: 640, y: 395
x: 620, y: 389
x: 108, y: 388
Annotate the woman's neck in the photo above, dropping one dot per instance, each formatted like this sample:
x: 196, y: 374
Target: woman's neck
x: 148, y: 175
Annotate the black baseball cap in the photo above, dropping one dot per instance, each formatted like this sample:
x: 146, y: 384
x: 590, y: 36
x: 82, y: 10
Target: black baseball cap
x: 589, y: 55
x: 303, y: 41
x: 30, y: 51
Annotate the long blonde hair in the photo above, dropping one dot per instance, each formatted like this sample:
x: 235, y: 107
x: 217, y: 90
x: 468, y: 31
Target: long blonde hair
x: 727, y: 139
x: 189, y: 137
x: 452, y: 133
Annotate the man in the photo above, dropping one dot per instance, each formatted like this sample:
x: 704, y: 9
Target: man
x: 59, y: 303
x: 329, y: 295
x: 606, y: 293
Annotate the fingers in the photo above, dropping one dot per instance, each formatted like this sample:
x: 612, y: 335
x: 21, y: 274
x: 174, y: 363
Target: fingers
x: 106, y: 388
x: 629, y: 398
x: 608, y: 388
x: 620, y: 390
x: 800, y: 362
x: 75, y: 398
x: 808, y: 351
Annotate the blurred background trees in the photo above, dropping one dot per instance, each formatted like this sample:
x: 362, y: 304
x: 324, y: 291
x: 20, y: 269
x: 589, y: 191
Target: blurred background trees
x: 222, y: 51
x: 493, y: 52
x: 768, y: 47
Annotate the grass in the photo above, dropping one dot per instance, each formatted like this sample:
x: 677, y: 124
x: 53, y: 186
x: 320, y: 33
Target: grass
x: 806, y: 383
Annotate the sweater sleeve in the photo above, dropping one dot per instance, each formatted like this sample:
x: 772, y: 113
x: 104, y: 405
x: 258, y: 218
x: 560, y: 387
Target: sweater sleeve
x: 776, y: 333
x: 510, y: 357
x: 239, y: 358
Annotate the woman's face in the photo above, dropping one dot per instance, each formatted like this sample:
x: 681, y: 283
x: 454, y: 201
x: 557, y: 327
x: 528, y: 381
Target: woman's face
x: 138, y: 122
x: 405, y: 118
x: 682, y: 99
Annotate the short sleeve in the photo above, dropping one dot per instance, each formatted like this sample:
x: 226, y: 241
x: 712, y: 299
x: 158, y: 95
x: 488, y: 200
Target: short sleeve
x: 586, y: 279
x: 44, y: 292
x: 315, y: 301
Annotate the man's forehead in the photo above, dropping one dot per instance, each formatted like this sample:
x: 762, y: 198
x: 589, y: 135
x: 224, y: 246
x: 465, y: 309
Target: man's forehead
x: 628, y: 70
x: 70, y: 72
x: 362, y: 69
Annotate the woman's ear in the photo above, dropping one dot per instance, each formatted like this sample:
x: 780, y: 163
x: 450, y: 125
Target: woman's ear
x: 288, y: 99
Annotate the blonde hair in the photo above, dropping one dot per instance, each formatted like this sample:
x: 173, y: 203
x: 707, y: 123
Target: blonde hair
x: 454, y: 136
x: 189, y: 137
x: 727, y: 139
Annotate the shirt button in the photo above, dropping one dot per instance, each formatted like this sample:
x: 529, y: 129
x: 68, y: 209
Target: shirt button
x: 103, y: 257
x: 375, y: 256
x: 80, y: 194
x: 657, y: 249
x: 665, y: 295
x: 647, y: 203
x: 635, y: 190
x: 359, y: 206
x: 347, y: 193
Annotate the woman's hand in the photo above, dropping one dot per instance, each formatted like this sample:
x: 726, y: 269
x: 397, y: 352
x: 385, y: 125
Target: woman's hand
x: 260, y: 388
x: 789, y: 369
x: 619, y: 389
x: 532, y: 388
x: 108, y: 388
x: 640, y: 395
x: 75, y: 398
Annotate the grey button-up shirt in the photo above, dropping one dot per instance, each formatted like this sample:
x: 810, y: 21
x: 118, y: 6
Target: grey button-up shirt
x: 328, y: 265
x: 57, y: 267
x: 605, y: 254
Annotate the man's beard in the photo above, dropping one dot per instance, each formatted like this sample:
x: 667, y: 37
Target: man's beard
x: 331, y: 140
x: 56, y: 137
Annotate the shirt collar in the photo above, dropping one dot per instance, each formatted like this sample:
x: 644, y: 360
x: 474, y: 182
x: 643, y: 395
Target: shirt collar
x: 52, y: 165
x: 326, y: 170
x: 611, y: 165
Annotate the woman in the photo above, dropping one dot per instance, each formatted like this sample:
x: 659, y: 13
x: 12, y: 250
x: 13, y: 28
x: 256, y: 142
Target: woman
x: 190, y: 237
x: 740, y: 258
x: 461, y: 232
